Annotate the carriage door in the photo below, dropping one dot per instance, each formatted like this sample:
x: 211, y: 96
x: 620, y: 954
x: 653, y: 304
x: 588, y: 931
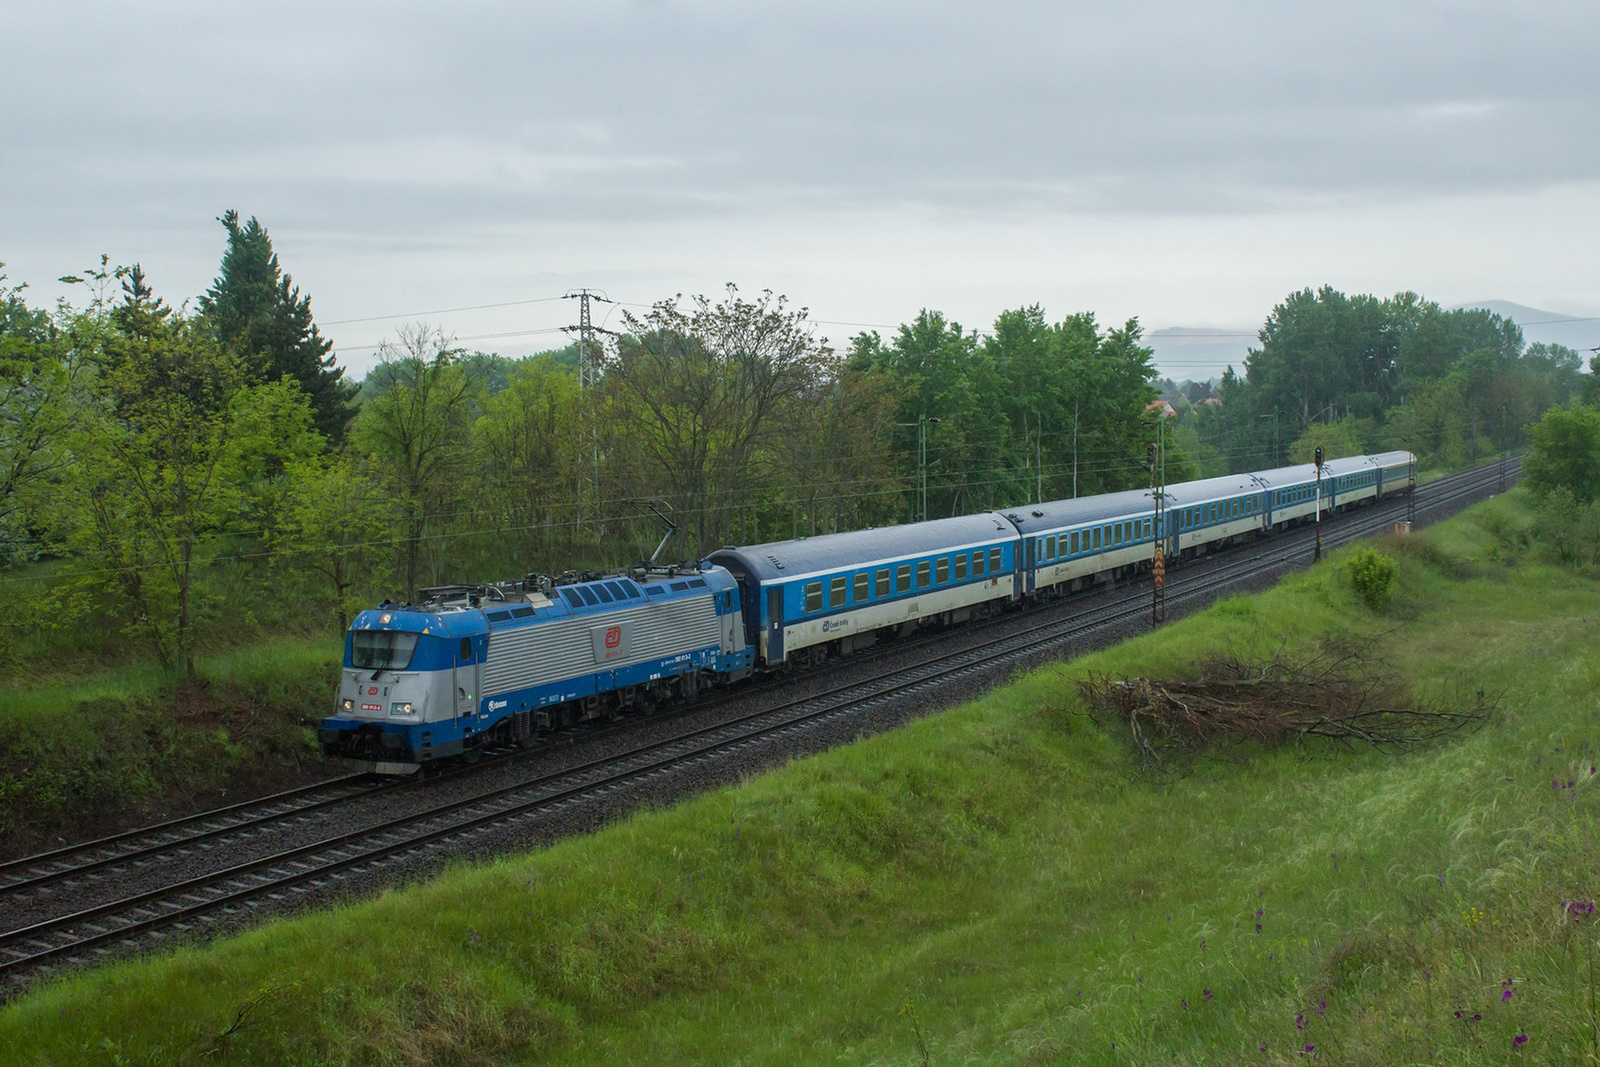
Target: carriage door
x: 775, y: 624
x: 466, y: 678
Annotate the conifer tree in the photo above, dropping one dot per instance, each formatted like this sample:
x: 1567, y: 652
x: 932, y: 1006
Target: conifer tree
x: 256, y: 309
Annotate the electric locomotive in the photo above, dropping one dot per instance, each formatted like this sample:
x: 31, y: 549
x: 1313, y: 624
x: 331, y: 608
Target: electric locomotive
x: 475, y: 665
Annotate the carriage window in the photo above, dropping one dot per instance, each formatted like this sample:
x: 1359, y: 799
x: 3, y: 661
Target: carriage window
x: 994, y: 560
x: 1074, y: 543
x: 961, y: 566
x: 863, y: 587
x: 1097, y: 537
x: 814, y: 596
x: 902, y: 578
x: 836, y: 590
x: 922, y: 574
x: 1050, y: 547
x: 977, y: 563
x: 1116, y: 534
x: 941, y: 571
x: 882, y: 582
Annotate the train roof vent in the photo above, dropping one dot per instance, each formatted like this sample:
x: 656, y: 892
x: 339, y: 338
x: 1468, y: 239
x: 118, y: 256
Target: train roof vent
x: 499, y: 616
x: 604, y: 592
x: 572, y: 597
x: 678, y: 587
x: 655, y: 590
x: 776, y: 562
x: 697, y: 583
x: 1038, y: 514
x: 521, y: 613
x: 589, y: 595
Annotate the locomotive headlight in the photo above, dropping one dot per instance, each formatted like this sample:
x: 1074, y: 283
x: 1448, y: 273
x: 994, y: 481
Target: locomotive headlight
x: 400, y: 709
x: 349, y: 705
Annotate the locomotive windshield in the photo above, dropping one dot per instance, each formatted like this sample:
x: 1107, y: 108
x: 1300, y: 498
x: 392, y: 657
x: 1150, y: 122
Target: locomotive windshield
x: 386, y: 650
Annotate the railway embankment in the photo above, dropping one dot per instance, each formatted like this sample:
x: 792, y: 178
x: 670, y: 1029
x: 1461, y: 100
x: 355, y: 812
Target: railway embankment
x: 1006, y: 882
x: 126, y: 749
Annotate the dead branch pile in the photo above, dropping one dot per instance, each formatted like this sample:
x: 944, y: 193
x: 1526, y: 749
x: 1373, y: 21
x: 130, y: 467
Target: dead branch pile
x: 1344, y: 692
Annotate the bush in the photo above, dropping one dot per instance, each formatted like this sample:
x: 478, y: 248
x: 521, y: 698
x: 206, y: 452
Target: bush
x: 1372, y: 576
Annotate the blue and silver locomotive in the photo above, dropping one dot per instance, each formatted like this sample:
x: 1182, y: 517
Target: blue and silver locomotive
x: 475, y: 665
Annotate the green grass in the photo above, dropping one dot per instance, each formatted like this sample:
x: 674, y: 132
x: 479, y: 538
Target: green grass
x: 999, y: 884
x: 130, y: 745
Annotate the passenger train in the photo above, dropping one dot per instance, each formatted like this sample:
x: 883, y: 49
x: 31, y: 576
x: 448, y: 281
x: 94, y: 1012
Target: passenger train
x: 513, y: 661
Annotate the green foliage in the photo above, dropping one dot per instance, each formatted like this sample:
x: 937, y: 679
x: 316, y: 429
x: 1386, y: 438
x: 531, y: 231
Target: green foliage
x: 1339, y: 438
x: 1372, y: 576
x: 127, y: 753
x: 1564, y: 453
x: 1060, y: 405
x: 256, y: 310
x: 1567, y: 530
x: 415, y: 435
x: 1451, y: 386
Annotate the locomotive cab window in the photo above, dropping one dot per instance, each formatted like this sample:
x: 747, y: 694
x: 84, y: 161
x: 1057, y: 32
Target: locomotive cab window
x: 836, y: 590
x: 466, y: 650
x: 814, y: 596
x: 382, y: 650
x: 863, y: 590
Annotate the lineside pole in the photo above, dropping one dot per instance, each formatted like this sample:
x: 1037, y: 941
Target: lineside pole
x: 1158, y: 561
x: 1317, y: 555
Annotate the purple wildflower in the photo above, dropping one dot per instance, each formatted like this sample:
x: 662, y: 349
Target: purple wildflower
x: 1185, y: 1002
x: 1300, y: 1021
x: 1258, y: 928
x: 1207, y: 994
x: 1519, y: 1041
x: 1505, y: 996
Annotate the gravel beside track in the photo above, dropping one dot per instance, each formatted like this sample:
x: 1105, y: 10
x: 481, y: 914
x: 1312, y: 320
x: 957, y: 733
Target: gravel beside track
x: 219, y: 871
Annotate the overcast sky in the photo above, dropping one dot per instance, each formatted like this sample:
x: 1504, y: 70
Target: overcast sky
x: 1189, y: 164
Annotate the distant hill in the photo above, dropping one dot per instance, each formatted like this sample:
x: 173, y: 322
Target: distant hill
x: 1198, y: 354
x: 1550, y: 327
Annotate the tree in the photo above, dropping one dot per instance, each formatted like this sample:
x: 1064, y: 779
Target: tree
x: 336, y: 524
x: 700, y: 392
x: 255, y: 308
x: 527, y: 445
x: 1564, y: 453
x: 416, y: 432
x: 38, y: 377
x: 1338, y: 439
x: 163, y: 473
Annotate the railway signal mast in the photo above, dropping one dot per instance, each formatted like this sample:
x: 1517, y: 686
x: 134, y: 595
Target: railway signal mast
x: 1317, y: 459
x: 1158, y: 559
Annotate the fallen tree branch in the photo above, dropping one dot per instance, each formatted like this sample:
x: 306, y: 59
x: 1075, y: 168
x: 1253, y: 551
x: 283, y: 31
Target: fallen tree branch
x: 1345, y: 692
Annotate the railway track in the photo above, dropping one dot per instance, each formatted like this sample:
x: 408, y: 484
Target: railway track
x: 196, y: 904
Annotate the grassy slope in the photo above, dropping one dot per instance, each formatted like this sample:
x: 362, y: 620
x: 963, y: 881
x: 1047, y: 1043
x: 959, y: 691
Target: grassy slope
x: 994, y: 884
x: 127, y: 746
